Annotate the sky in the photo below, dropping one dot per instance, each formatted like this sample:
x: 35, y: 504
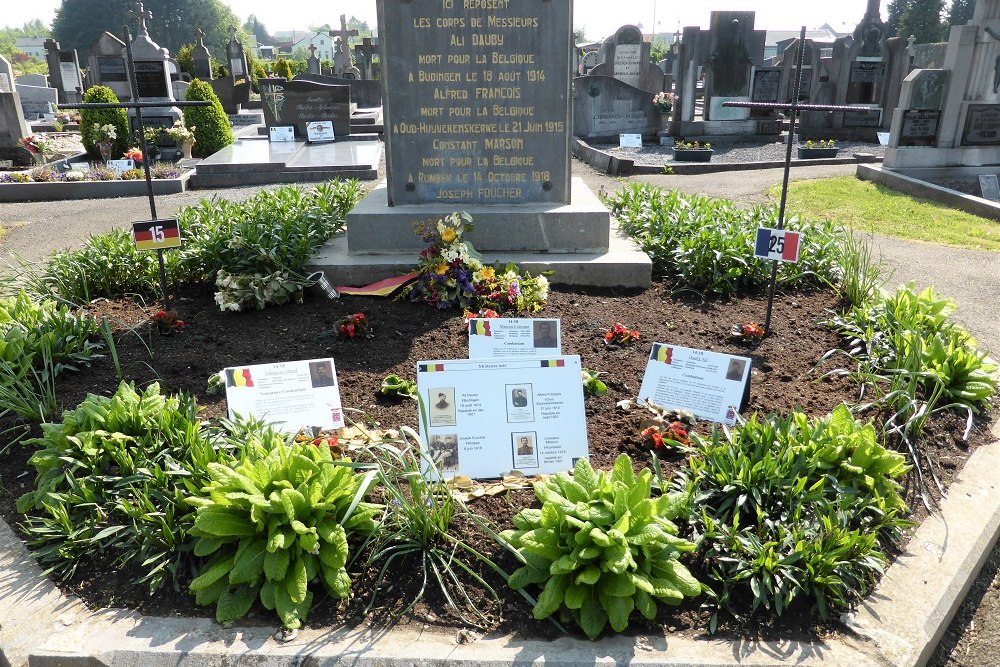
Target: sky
x: 599, y: 18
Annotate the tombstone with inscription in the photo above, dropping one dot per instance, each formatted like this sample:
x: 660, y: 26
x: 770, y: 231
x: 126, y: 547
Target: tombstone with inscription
x: 106, y: 65
x: 299, y: 102
x: 626, y: 57
x: 6, y: 76
x: 39, y: 80
x: 734, y: 49
x: 152, y: 81
x: 12, y: 125
x: 37, y: 101
x: 312, y: 62
x: 201, y: 58
x: 476, y: 104
x: 948, y: 119
x: 64, y: 72
x: 365, y: 93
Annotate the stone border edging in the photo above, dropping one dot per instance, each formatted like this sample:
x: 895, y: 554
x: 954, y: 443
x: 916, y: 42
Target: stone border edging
x: 925, y: 190
x: 899, y: 624
x: 616, y: 166
x: 63, y: 190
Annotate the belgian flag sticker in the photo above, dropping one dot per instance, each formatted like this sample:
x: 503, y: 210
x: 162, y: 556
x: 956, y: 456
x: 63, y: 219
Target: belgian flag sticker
x: 430, y: 368
x: 480, y: 328
x: 156, y: 234
x: 553, y: 363
x: 238, y: 377
x: 662, y: 353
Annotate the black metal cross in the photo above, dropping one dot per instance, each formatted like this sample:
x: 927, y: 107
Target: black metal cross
x: 794, y: 107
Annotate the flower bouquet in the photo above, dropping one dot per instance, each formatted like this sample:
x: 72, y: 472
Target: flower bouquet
x: 354, y: 326
x: 664, y: 102
x: 620, y: 335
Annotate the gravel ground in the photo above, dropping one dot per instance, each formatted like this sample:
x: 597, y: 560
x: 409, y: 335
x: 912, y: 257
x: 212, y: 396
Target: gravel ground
x: 732, y: 152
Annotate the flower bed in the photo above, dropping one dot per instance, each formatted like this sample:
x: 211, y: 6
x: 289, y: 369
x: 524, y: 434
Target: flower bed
x: 96, y: 183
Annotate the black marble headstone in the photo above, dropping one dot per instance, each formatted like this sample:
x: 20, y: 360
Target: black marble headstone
x: 299, y: 102
x: 919, y: 128
x: 982, y: 125
x: 765, y: 84
x: 151, y: 79
x: 111, y: 68
x: 476, y: 101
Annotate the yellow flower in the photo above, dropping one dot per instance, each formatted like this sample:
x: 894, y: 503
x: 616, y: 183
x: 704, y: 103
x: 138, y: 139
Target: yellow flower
x: 487, y: 273
x: 449, y: 235
x: 441, y: 269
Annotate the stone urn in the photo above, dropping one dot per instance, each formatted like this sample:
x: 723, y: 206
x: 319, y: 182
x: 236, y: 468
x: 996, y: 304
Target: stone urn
x: 186, y: 147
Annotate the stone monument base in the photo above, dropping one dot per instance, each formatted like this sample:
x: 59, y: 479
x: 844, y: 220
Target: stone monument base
x: 727, y: 130
x: 578, y: 242
x: 582, y: 226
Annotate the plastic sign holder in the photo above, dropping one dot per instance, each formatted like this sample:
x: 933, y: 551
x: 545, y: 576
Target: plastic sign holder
x: 156, y: 234
x: 779, y: 245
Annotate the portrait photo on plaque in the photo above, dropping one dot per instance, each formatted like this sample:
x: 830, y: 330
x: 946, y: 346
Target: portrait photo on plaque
x: 443, y: 450
x: 524, y: 448
x: 441, y: 406
x: 545, y: 334
x: 319, y: 131
x: 519, y: 404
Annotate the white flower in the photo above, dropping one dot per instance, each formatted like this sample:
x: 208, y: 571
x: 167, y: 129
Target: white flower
x: 543, y: 288
x: 75, y: 175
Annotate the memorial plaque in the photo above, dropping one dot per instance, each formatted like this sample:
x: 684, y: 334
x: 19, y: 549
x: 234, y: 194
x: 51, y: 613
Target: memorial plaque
x: 476, y: 101
x: 919, y: 128
x: 5, y: 86
x: 871, y: 118
x: 111, y: 68
x: 982, y: 125
x: 990, y: 186
x: 866, y: 71
x: 628, y: 65
x: 202, y: 69
x: 765, y: 85
x: 70, y: 76
x: 151, y: 79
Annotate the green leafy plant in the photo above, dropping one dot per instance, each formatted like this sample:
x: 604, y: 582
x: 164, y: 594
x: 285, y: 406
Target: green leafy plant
x: 693, y: 146
x: 600, y: 548
x: 592, y: 386
x: 91, y: 120
x: 112, y: 482
x: 395, y: 386
x: 792, y: 508
x: 273, y: 525
x: 282, y: 69
x: 212, y: 130
x: 256, y: 291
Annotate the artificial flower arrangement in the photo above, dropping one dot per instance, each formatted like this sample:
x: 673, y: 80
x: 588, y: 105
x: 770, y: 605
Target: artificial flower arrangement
x: 621, y: 335
x: 452, y: 274
x: 241, y: 291
x: 166, y: 321
x: 666, y: 427
x: 133, y: 154
x: 35, y: 144
x: 747, y: 331
x: 180, y: 133
x: 107, y: 132
x: 664, y: 102
x: 354, y: 326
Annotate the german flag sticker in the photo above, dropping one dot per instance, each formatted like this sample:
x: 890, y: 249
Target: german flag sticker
x: 156, y: 234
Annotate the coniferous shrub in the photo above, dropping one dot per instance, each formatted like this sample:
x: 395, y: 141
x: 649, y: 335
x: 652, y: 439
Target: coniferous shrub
x: 93, y: 119
x: 282, y: 69
x: 212, y: 131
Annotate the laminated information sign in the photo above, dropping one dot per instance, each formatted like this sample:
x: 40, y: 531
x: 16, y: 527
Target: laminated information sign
x: 295, y: 395
x: 486, y: 417
x: 709, y: 384
x: 513, y: 337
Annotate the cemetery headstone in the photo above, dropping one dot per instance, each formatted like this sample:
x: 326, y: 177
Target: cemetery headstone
x: 365, y: 93
x: 107, y: 65
x: 364, y: 54
x: 236, y: 55
x: 342, y: 65
x: 312, y: 62
x: 919, y: 128
x: 765, y: 84
x: 299, y: 102
x: 6, y: 75
x: 64, y: 72
x: 982, y: 125
x: 12, y: 126
x: 39, y: 80
x: 202, y: 58
x: 36, y: 101
x: 233, y: 90
x: 990, y: 186
x: 153, y: 83
x: 625, y: 57
x: 604, y: 107
x: 728, y: 67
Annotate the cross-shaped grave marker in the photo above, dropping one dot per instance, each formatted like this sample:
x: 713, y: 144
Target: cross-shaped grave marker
x: 365, y: 53
x: 774, y: 243
x: 156, y: 231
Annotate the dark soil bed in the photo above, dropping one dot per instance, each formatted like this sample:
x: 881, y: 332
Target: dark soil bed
x: 784, y: 377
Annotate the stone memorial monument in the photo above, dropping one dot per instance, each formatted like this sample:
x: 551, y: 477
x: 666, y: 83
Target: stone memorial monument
x: 233, y: 90
x: 342, y: 65
x: 948, y: 119
x: 202, y: 58
x: 7, y: 81
x: 106, y: 65
x: 12, y: 125
x: 64, y: 72
x: 477, y: 118
x: 312, y: 62
x: 364, y: 55
x: 152, y: 79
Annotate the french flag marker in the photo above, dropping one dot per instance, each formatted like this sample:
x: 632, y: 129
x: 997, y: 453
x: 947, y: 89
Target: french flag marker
x: 779, y: 245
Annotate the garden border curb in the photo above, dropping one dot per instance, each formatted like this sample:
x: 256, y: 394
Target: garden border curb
x: 64, y: 191
x: 898, y: 625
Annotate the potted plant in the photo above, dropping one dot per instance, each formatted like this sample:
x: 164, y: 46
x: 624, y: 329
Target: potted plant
x: 664, y: 104
x: 36, y: 145
x: 183, y: 136
x: 692, y: 151
x: 106, y: 135
x: 821, y: 148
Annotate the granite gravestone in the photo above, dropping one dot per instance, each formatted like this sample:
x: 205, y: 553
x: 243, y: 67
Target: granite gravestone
x: 625, y: 56
x: 107, y: 65
x: 64, y: 72
x: 39, y: 80
x: 928, y: 89
x: 201, y: 58
x: 765, y: 84
x: 604, y: 107
x: 299, y: 102
x: 233, y: 90
x: 36, y: 101
x: 312, y: 62
x: 342, y: 65
x: 364, y: 55
x: 919, y: 128
x: 982, y: 125
x: 365, y: 93
x: 476, y: 104
x: 6, y: 76
x: 12, y: 126
x: 153, y: 83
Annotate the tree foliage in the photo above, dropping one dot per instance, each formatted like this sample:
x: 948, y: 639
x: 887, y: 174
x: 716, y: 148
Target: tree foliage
x: 896, y: 9
x: 8, y: 35
x: 257, y: 29
x: 79, y: 23
x: 922, y: 19
x: 960, y: 12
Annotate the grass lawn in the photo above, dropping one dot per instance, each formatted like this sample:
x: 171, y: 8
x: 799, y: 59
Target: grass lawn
x: 868, y: 207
